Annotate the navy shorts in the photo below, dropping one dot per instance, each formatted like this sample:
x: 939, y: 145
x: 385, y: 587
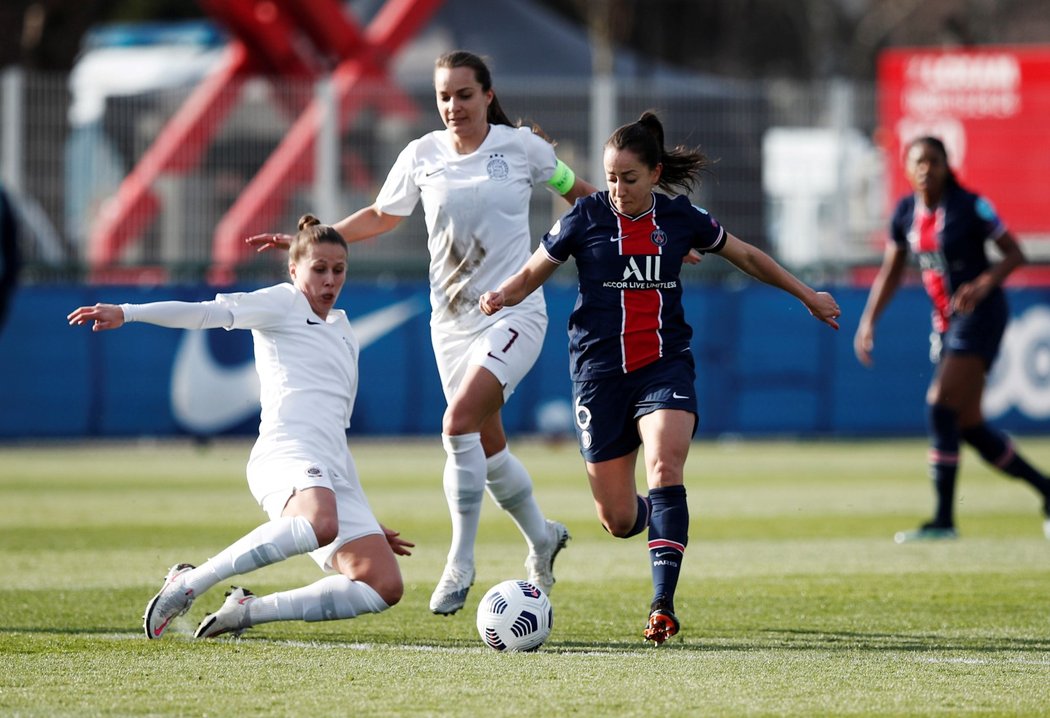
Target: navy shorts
x: 607, y: 409
x: 980, y: 332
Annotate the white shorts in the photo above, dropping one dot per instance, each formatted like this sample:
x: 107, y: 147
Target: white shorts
x: 273, y: 481
x: 508, y: 348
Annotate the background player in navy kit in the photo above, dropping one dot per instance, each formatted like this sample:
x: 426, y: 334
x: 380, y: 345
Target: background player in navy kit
x: 947, y: 226
x: 300, y: 470
x: 632, y: 367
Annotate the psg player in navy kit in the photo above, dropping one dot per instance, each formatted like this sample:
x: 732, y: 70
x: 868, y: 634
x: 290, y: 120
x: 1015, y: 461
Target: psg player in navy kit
x: 947, y: 226
x: 632, y: 368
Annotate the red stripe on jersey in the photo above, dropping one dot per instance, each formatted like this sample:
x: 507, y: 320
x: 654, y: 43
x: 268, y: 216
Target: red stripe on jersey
x: 924, y: 239
x: 640, y: 339
x: 926, y: 231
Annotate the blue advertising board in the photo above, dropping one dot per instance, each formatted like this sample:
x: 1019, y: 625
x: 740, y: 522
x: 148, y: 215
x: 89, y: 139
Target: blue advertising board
x: 764, y: 368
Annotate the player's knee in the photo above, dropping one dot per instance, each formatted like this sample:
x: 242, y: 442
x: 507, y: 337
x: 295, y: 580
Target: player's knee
x: 667, y: 470
x: 326, y: 528
x: 461, y: 417
x: 456, y: 423
x: 620, y: 526
x: 389, y: 588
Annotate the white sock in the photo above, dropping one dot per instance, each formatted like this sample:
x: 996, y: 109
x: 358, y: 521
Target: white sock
x: 510, y: 486
x: 269, y: 543
x: 464, y: 481
x: 331, y: 598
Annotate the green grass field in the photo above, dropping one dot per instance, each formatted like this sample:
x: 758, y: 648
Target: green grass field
x: 794, y: 598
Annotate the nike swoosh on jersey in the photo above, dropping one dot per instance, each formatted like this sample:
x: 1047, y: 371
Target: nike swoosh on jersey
x: 676, y: 395
x: 208, y: 397
x: 311, y: 322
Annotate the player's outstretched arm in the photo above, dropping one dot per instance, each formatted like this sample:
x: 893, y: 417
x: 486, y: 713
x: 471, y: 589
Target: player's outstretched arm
x: 761, y: 266
x: 173, y: 315
x: 101, y: 317
x: 516, y: 287
x: 363, y: 224
x: 366, y: 223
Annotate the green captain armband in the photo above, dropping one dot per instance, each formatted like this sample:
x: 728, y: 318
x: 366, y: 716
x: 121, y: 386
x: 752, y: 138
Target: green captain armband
x: 563, y: 178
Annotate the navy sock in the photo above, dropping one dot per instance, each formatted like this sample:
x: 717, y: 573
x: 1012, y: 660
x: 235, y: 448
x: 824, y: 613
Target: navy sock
x: 997, y: 449
x: 668, y: 536
x: 943, y: 460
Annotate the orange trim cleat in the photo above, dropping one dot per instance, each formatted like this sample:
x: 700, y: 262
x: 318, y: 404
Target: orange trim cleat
x: 662, y: 625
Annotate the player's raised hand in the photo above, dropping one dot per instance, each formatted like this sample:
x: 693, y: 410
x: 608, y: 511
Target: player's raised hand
x: 263, y: 242
x: 102, y: 316
x: 491, y: 302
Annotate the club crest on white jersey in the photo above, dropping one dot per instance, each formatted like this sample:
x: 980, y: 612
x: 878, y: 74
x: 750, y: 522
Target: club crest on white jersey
x: 497, y: 168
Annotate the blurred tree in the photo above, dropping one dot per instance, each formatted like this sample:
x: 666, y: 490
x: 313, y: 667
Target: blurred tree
x: 805, y: 38
x: 736, y: 38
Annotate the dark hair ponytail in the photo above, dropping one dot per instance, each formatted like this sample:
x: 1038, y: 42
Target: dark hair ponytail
x: 645, y: 137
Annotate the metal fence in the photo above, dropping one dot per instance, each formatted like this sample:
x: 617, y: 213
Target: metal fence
x: 795, y: 170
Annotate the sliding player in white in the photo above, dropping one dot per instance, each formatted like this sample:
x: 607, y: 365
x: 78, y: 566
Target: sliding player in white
x: 300, y: 470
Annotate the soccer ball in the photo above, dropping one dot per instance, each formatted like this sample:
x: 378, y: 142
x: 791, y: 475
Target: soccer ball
x: 515, y: 616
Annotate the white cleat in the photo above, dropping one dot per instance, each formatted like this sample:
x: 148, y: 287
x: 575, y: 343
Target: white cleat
x: 232, y: 616
x: 451, y: 591
x: 171, y: 601
x: 540, y: 565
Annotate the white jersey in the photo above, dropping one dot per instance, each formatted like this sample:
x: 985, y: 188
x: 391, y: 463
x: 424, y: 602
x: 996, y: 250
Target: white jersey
x: 307, y: 373
x: 477, y: 216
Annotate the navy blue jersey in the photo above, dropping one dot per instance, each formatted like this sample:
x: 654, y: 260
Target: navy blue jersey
x: 629, y: 310
x: 949, y: 242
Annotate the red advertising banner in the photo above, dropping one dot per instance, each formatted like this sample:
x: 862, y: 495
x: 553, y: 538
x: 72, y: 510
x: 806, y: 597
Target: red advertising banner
x: 991, y: 106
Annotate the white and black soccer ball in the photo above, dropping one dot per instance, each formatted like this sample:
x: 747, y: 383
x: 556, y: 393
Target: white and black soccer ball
x: 515, y: 616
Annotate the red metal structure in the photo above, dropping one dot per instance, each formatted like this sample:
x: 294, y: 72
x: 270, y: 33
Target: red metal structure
x: 281, y: 38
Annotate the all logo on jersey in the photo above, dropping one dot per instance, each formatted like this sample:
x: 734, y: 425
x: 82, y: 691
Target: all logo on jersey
x: 643, y: 269
x: 497, y: 167
x: 641, y: 272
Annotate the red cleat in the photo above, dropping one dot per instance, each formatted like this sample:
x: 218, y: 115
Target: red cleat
x: 662, y: 625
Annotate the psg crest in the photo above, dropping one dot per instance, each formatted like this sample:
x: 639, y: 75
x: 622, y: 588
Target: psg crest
x: 658, y: 237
